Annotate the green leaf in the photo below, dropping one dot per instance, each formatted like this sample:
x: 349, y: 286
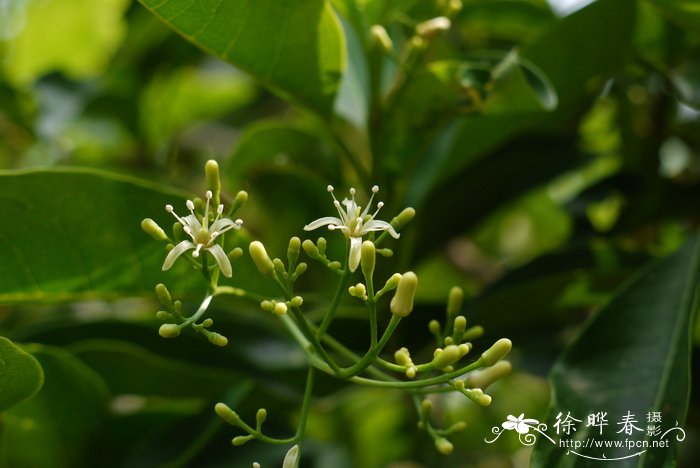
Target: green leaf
x: 56, y: 427
x: 633, y: 356
x: 20, y: 374
x: 80, y: 45
x: 72, y: 234
x: 131, y: 369
x: 297, y: 48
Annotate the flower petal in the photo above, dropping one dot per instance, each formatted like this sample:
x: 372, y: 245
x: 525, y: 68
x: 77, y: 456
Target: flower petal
x: 222, y: 225
x: 322, y: 222
x: 355, y: 252
x: 221, y: 258
x: 175, y: 252
x: 522, y: 428
x: 509, y: 425
x: 193, y: 223
x: 378, y: 225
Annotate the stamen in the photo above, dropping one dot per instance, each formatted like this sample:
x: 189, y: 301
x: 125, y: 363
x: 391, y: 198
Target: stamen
x: 220, y: 209
x: 239, y: 222
x: 195, y: 254
x: 352, y: 191
x: 330, y: 188
x: 169, y: 208
x: 190, y: 205
x: 379, y: 207
x: 208, y: 194
x: 375, y: 189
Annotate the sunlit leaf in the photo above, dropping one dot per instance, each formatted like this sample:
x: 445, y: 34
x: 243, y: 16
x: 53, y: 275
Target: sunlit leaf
x: 633, y: 356
x: 20, y: 374
x: 79, y: 45
x: 296, y: 48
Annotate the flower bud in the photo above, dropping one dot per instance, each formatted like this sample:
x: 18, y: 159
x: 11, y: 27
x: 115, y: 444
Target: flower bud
x: 208, y: 323
x: 293, y: 251
x: 239, y: 201
x: 310, y: 248
x: 163, y: 315
x: 260, y: 257
x: 369, y: 258
x: 425, y: 407
x: 299, y: 270
x: 498, y: 351
x: 403, y: 357
x: 402, y: 302
x: 444, y: 446
x: 290, y: 460
x: 280, y: 308
x: 454, y: 302
x: 213, y: 179
x: 403, y: 218
x: 296, y: 301
x: 434, y: 327
x: 381, y: 39
x: 385, y: 252
x: 235, y: 254
x: 334, y: 265
x: 447, y: 356
x: 359, y: 291
x: 169, y: 330
x: 260, y: 417
x: 240, y: 440
x: 279, y: 267
x: 267, y: 306
x: 227, y: 414
x: 177, y: 232
x: 217, y: 339
x: 152, y: 229
x: 163, y: 295
x: 454, y: 7
x: 474, y: 333
x: 392, y: 282
x: 482, y: 378
x: 322, y: 244
x: 432, y: 27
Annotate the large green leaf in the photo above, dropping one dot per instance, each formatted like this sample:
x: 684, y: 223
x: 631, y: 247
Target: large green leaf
x: 59, y: 425
x: 297, y: 48
x: 20, y: 374
x: 633, y: 356
x: 70, y: 234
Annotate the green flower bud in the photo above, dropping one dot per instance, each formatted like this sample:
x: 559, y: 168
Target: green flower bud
x: 473, y: 333
x: 369, y: 258
x: 260, y: 257
x: 434, y: 327
x: 153, y: 230
x: 334, y: 265
x: 417, y: 44
x: 498, y: 351
x: 177, y: 232
x: 403, y: 357
x: 310, y: 248
x: 208, y: 323
x: 454, y: 7
x: 280, y: 308
x: 296, y: 301
x: 381, y: 39
x: 290, y: 460
x: 411, y: 372
x: 456, y: 427
x: 402, y: 302
x: 385, y: 252
x: 482, y: 378
x: 299, y: 270
x: 449, y: 355
x: 163, y: 315
x: 405, y: 217
x: 217, y: 339
x: 163, y: 295
x: 235, y: 254
x: 358, y: 291
x: 227, y: 414
x: 267, y: 306
x: 454, y: 302
x: 240, y: 440
x: 260, y: 417
x: 392, y: 282
x: 213, y: 179
x: 177, y: 307
x: 239, y: 201
x: 432, y: 27
x: 444, y: 446
x: 279, y: 267
x: 321, y: 244
x: 478, y: 396
x: 293, y: 250
x: 425, y: 407
x: 169, y: 330
x: 460, y: 324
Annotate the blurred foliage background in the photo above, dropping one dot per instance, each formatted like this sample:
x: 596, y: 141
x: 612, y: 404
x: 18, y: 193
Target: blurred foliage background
x: 551, y: 154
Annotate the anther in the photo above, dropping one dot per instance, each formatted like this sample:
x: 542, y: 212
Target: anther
x: 220, y: 209
x: 330, y: 188
x: 190, y: 205
x: 208, y: 194
x: 169, y: 208
x: 375, y: 189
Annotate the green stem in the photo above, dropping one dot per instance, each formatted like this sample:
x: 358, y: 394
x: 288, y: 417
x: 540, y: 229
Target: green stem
x: 372, y: 353
x: 305, y: 405
x: 328, y: 318
x: 442, y: 379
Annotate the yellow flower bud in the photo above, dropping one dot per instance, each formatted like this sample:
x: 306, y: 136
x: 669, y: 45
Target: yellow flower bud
x: 217, y: 339
x: 444, y: 446
x: 381, y: 39
x: 449, y: 355
x: 169, y: 330
x: 296, y: 301
x: 152, y: 229
x: 498, y: 351
x: 227, y: 414
x: 482, y: 378
x: 213, y: 179
x: 454, y: 301
x: 260, y: 257
x: 293, y: 250
x: 403, y: 218
x: 260, y: 417
x: 369, y: 258
x: 432, y: 27
x: 239, y: 201
x: 280, y: 308
x: 163, y: 295
x: 310, y: 248
x: 402, y: 302
x: 235, y: 254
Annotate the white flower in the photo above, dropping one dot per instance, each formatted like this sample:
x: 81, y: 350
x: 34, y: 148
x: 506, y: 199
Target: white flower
x: 519, y: 424
x: 354, y: 223
x: 203, y: 236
